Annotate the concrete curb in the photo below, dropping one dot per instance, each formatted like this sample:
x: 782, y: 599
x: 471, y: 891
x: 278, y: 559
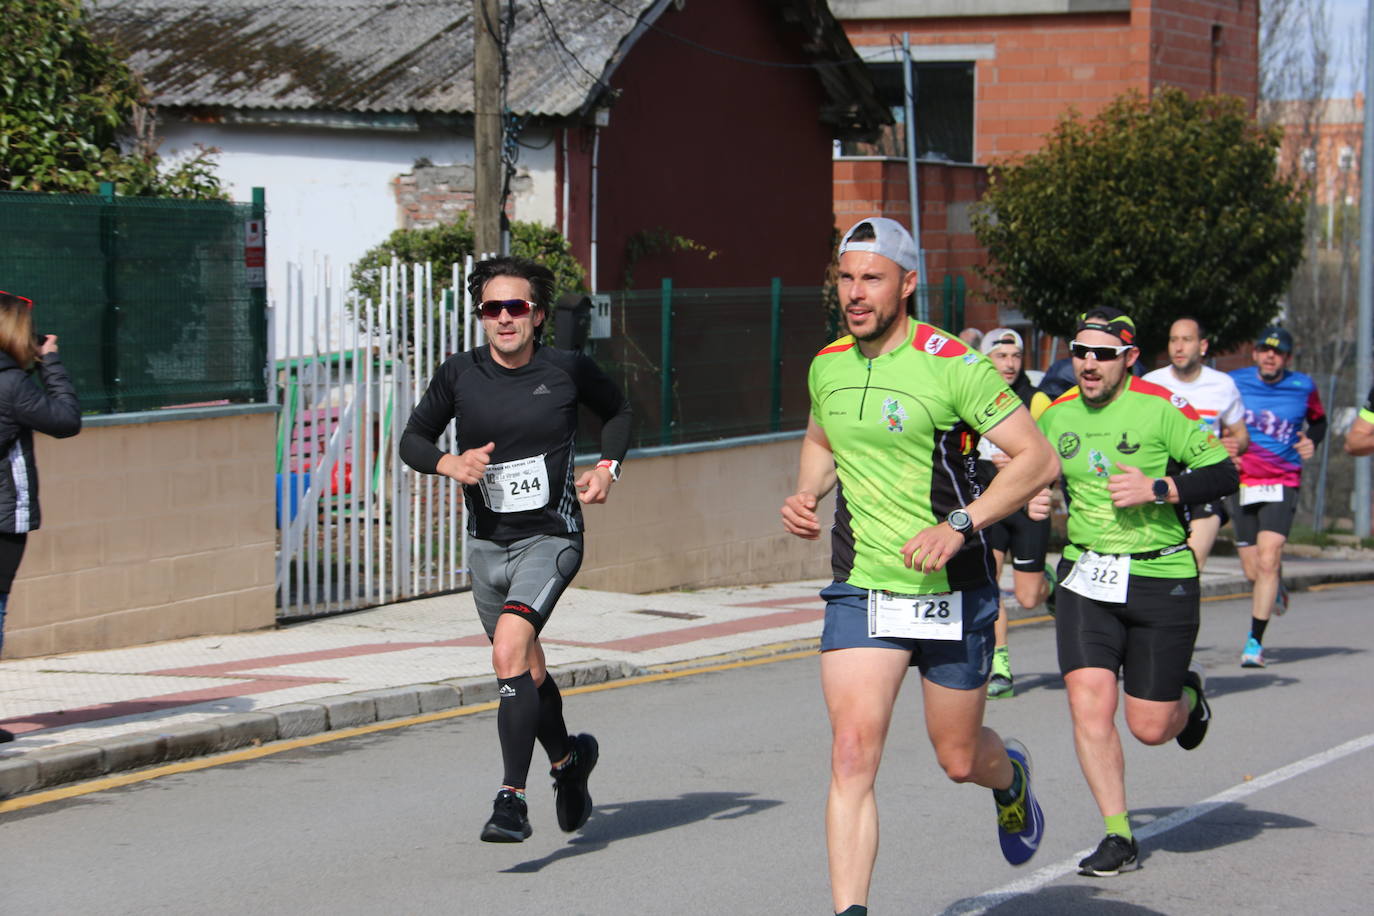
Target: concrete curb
x: 48, y: 768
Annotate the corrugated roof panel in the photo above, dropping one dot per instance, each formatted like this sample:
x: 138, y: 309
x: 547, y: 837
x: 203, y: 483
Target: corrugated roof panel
x: 416, y: 56
x: 360, y: 55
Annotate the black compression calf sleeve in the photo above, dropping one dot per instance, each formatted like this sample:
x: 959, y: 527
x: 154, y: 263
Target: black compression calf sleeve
x: 517, y: 720
x: 553, y: 732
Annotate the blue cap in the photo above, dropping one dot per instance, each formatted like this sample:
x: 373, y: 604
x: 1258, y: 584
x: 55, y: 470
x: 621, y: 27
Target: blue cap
x: 1276, y: 337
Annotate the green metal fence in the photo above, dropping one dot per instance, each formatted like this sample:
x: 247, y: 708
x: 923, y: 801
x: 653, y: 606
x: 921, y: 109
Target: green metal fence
x: 148, y: 296
x: 704, y: 364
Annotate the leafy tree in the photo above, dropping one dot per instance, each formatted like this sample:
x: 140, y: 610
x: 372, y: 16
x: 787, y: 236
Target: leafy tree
x: 1161, y: 207
x: 67, y: 105
x: 452, y: 243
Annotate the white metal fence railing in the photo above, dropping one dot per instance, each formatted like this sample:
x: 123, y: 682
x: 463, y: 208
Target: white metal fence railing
x: 356, y: 527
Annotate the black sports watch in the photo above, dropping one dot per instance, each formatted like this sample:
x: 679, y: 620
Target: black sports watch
x: 960, y: 521
x: 1161, y: 491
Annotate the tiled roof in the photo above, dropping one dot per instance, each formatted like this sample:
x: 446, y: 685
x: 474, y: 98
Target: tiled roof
x: 415, y: 55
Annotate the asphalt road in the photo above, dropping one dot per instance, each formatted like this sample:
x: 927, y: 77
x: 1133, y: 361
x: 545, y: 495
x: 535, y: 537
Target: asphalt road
x: 709, y: 797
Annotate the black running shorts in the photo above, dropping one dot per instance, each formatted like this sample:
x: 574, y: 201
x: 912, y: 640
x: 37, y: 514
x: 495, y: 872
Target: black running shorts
x: 1250, y: 520
x: 1149, y: 638
x: 524, y: 577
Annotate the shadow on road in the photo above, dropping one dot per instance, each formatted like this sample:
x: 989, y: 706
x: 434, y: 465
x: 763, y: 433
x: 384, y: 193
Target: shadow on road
x: 1054, y: 901
x: 1225, y: 825
x: 620, y: 822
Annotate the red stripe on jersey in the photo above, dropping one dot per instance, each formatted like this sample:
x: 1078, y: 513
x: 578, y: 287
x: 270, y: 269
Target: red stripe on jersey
x: 1070, y: 395
x: 836, y: 348
x: 935, y: 342
x: 1140, y: 385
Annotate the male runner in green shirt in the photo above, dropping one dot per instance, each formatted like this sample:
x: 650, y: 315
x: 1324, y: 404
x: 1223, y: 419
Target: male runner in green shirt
x: 1360, y: 439
x: 897, y: 408
x: 1129, y: 599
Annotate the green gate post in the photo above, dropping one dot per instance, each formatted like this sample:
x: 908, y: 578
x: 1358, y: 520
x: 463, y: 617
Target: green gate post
x: 665, y: 379
x: 947, y: 298
x: 959, y: 290
x: 109, y: 325
x: 775, y: 361
x: 258, y: 296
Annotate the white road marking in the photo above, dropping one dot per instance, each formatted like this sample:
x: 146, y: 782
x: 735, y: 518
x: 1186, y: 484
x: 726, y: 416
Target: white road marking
x: 975, y: 906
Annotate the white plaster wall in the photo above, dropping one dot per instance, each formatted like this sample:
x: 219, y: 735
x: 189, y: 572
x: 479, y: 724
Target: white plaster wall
x: 329, y: 192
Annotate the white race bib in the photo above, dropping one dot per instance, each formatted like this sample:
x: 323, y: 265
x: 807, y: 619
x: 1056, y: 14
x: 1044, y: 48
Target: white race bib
x: 1100, y: 576
x: 516, y: 486
x: 916, y: 616
x: 1262, y: 493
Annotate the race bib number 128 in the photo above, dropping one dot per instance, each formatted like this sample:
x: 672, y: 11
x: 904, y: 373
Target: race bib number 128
x: 916, y: 616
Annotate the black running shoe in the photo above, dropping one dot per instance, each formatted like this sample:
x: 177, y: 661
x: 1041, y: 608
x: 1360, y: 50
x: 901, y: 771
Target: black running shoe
x: 571, y: 798
x: 1114, y: 855
x: 509, y: 821
x: 1199, y: 716
x: 6, y: 736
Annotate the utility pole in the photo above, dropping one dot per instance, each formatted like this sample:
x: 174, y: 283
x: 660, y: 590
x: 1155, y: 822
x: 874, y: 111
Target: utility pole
x: 1364, y: 336
x: 486, y: 105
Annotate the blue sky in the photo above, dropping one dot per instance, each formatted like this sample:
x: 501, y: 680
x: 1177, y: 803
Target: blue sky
x: 1347, y: 31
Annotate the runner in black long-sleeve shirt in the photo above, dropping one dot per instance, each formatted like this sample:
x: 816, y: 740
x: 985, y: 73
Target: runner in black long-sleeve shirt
x: 515, y: 403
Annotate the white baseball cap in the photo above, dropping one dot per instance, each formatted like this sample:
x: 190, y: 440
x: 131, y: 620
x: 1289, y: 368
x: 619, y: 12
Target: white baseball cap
x: 891, y: 240
x: 998, y: 337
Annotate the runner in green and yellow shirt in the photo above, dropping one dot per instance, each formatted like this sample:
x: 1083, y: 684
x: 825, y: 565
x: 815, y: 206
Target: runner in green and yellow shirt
x: 1360, y: 439
x: 1129, y: 599
x: 897, y: 408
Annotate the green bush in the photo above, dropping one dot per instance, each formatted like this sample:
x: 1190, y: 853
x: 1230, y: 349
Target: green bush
x: 452, y: 244
x: 68, y: 104
x: 1161, y: 207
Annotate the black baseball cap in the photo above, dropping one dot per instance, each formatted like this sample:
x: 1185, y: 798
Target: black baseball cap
x: 1275, y: 337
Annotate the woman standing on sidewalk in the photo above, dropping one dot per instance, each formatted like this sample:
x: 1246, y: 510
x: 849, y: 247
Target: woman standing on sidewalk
x: 51, y: 408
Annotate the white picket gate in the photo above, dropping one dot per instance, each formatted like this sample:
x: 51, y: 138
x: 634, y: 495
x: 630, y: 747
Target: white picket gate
x: 358, y: 528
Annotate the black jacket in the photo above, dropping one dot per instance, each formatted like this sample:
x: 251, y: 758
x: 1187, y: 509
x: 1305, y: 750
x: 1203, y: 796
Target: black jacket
x: 24, y: 407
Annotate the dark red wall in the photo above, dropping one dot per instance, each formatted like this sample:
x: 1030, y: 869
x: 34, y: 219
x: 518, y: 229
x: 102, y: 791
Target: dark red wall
x: 729, y: 154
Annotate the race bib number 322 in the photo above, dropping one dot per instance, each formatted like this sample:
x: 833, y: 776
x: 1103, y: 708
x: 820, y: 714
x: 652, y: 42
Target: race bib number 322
x: 516, y: 486
x: 1101, y: 577
x: 916, y: 616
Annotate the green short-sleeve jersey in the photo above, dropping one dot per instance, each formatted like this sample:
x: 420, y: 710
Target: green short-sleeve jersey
x: 904, y: 429
x: 1147, y: 427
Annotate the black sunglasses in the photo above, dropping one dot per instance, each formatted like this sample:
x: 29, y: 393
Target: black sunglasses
x: 517, y: 308
x: 1101, y: 354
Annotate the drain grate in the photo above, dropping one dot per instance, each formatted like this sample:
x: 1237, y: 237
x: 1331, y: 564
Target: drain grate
x: 675, y: 615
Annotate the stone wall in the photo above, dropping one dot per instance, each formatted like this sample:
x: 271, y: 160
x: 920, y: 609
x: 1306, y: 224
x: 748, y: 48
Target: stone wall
x: 702, y: 518
x: 151, y: 531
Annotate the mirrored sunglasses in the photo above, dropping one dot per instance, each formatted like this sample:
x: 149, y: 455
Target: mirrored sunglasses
x: 517, y: 308
x: 1101, y: 354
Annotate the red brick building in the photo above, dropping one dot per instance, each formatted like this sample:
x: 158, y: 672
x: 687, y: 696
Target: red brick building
x: 993, y: 77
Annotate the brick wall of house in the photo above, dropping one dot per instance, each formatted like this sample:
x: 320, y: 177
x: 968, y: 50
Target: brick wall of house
x: 1042, y: 65
x: 878, y: 187
x: 434, y: 195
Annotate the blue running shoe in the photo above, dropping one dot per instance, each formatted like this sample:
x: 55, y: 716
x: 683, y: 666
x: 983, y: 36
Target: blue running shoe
x: 1252, y: 656
x: 1281, y: 598
x: 1021, y: 824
